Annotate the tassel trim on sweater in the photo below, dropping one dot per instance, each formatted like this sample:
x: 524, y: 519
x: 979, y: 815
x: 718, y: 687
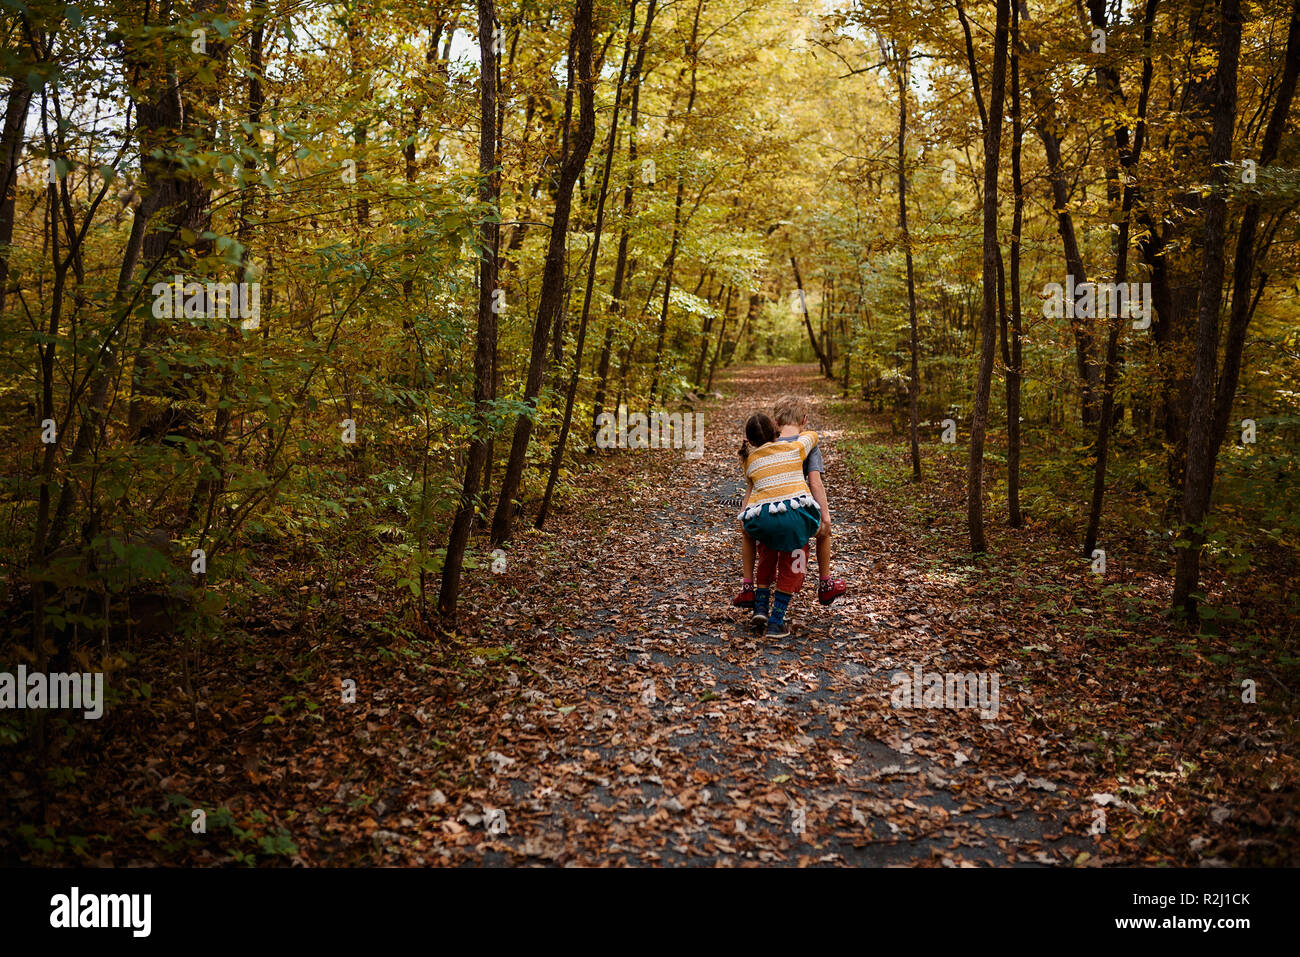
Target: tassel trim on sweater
x: 802, y: 500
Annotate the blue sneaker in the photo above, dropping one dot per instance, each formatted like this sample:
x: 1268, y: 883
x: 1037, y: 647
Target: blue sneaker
x: 777, y: 630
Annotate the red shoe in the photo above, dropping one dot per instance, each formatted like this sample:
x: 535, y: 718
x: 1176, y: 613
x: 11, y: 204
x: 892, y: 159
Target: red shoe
x: 745, y: 599
x: 829, y: 590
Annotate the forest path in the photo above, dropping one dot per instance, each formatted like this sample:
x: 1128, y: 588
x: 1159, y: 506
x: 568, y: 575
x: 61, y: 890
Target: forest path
x: 669, y: 732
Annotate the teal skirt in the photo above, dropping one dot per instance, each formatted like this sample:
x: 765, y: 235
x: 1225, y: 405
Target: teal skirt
x: 787, y: 529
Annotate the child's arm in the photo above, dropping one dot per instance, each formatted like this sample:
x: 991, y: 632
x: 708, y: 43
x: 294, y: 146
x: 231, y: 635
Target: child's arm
x: 819, y: 496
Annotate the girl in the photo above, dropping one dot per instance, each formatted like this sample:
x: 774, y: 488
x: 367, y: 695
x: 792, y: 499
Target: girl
x: 780, y: 514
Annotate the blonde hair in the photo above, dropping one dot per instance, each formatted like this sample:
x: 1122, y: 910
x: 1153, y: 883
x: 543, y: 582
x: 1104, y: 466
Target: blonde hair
x: 790, y: 410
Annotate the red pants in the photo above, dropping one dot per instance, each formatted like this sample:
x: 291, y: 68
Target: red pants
x: 789, y: 568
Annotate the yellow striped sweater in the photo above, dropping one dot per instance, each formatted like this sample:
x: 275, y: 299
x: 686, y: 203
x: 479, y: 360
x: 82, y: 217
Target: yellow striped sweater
x: 775, y: 472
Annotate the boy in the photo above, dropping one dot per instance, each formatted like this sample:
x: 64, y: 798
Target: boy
x: 791, y: 414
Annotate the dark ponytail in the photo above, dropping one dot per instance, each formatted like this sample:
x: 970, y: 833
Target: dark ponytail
x: 759, y: 430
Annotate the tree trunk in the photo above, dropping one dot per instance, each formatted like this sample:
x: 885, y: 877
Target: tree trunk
x: 210, y: 486
x: 812, y: 338
x: 697, y: 376
x: 622, y: 270
x: 1210, y: 410
x: 992, y: 254
x: 558, y: 455
x: 913, y: 382
x: 486, y: 335
x: 751, y: 311
x: 1126, y: 159
x: 828, y: 347
x: 11, y: 149
x: 360, y: 130
x: 551, y: 298
x: 722, y: 336
x: 692, y: 51
x: 171, y: 111
x: 1046, y: 126
x: 1013, y: 357
x: 1200, y: 421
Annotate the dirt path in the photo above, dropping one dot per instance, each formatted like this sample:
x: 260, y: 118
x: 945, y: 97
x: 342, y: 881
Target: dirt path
x: 669, y: 732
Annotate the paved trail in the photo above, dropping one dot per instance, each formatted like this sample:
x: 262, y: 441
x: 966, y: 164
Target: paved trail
x: 669, y: 732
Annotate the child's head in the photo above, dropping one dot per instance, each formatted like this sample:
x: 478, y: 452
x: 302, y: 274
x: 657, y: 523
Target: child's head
x: 790, y: 410
x: 759, y: 430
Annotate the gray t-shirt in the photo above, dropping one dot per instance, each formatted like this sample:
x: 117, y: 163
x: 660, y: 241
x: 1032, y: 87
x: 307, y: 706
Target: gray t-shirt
x: 813, y: 463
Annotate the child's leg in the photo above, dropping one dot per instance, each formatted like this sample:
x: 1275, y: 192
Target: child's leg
x: 746, y: 597
x: 766, y: 565
x: 824, y: 556
x: 746, y: 555
x: 763, y: 575
x: 791, y: 569
x: 828, y: 589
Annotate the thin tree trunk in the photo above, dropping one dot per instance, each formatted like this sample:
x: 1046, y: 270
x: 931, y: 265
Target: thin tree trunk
x: 551, y: 298
x: 992, y: 255
x: 1247, y: 254
x: 485, y: 493
x: 1046, y: 125
x: 47, y: 411
x: 11, y: 149
x: 722, y: 336
x: 751, y: 310
x: 1013, y: 357
x: 485, y: 338
x: 360, y: 130
x: 210, y: 487
x: 827, y: 346
x: 1126, y: 159
x: 812, y: 338
x: 697, y: 376
x: 694, y: 54
x: 558, y: 455
x: 622, y: 269
x: 913, y: 382
x: 848, y: 348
